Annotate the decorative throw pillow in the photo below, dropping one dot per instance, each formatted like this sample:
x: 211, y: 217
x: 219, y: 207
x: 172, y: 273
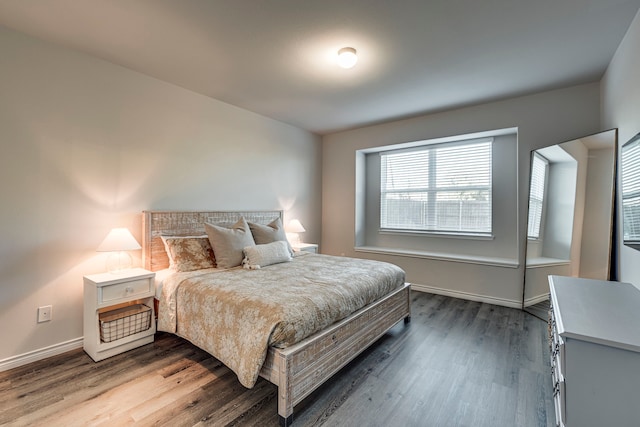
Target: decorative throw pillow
x: 272, y: 232
x: 188, y: 253
x: 262, y: 255
x: 228, y: 243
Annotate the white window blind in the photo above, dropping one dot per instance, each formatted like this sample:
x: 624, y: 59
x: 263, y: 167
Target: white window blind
x: 631, y: 190
x: 539, y: 166
x: 437, y: 188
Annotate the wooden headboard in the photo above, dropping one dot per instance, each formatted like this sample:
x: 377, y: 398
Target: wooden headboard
x: 186, y: 223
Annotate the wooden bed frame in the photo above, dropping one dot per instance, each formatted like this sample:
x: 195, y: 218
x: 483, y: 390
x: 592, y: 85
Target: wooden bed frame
x: 299, y: 369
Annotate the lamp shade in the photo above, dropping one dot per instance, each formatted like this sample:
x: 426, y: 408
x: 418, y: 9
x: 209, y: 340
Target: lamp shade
x: 295, y: 226
x: 117, y: 242
x: 119, y: 239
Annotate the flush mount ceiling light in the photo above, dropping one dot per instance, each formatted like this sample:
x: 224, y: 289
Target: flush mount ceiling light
x: 347, y: 57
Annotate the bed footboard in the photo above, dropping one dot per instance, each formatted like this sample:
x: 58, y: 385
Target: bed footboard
x: 300, y: 369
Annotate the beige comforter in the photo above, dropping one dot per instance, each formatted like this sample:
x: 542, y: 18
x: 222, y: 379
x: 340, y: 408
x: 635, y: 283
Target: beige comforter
x: 236, y: 314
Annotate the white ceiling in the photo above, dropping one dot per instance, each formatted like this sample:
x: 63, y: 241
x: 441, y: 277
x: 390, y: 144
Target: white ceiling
x: 275, y: 57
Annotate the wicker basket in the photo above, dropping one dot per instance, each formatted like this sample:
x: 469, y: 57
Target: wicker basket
x: 122, y: 322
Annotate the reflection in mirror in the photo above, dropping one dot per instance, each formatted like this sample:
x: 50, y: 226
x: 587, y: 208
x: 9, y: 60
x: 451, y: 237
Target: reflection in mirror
x: 569, y: 230
x: 630, y: 169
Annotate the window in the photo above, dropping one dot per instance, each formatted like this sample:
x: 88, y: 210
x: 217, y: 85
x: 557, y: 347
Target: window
x: 444, y: 188
x: 539, y: 167
x: 631, y: 191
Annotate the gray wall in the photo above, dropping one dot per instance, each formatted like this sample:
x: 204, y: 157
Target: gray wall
x: 621, y: 109
x: 87, y: 145
x: 542, y: 119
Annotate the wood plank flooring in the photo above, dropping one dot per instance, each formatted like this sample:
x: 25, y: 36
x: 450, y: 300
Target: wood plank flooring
x: 458, y: 363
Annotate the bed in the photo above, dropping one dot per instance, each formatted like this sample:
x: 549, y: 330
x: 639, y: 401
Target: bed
x: 297, y: 368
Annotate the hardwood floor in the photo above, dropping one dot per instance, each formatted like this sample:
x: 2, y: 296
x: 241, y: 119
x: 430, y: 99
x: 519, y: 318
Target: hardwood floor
x: 458, y: 363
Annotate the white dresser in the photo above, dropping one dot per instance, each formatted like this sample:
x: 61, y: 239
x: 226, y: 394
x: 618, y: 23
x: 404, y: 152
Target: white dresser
x: 594, y: 333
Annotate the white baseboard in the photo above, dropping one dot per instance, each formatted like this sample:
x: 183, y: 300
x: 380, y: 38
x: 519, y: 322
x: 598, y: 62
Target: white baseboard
x: 467, y: 295
x: 43, y: 353
x: 536, y: 299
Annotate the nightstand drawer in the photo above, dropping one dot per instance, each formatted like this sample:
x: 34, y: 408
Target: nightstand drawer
x: 126, y: 290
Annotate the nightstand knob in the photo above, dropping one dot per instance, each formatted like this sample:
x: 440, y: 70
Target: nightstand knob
x: 129, y: 290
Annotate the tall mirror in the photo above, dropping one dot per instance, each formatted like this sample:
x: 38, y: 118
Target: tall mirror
x: 570, y: 220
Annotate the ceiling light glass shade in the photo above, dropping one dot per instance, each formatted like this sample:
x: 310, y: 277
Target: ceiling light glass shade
x: 117, y: 242
x: 347, y: 57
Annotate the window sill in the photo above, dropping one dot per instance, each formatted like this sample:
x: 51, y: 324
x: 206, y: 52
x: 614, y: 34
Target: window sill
x: 546, y: 262
x: 439, y: 256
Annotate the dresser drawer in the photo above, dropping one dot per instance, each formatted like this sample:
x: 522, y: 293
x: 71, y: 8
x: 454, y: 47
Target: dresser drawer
x: 559, y: 394
x: 559, y: 402
x: 127, y: 290
x: 557, y: 351
x: 551, y: 327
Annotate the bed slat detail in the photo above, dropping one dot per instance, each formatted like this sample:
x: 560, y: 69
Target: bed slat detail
x: 300, y: 369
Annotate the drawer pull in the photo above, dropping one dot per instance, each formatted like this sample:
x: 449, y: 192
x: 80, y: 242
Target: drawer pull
x: 129, y: 290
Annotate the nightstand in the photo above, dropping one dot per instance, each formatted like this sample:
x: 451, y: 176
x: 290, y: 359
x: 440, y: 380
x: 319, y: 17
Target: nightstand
x: 305, y: 247
x: 122, y: 305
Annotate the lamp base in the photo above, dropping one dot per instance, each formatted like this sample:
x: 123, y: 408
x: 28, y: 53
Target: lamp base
x: 119, y: 262
x: 293, y: 238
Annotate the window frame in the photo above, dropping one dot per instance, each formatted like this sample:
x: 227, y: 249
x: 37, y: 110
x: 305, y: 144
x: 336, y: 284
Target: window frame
x: 433, y: 189
x: 543, y: 201
x: 630, y: 191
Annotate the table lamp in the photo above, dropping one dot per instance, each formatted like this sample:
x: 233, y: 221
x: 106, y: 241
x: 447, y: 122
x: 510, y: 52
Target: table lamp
x: 118, y: 241
x: 293, y: 228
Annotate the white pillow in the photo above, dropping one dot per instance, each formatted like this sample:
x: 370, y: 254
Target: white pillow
x: 262, y: 255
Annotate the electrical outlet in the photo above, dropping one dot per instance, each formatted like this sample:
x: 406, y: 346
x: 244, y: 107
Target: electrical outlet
x: 45, y: 313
